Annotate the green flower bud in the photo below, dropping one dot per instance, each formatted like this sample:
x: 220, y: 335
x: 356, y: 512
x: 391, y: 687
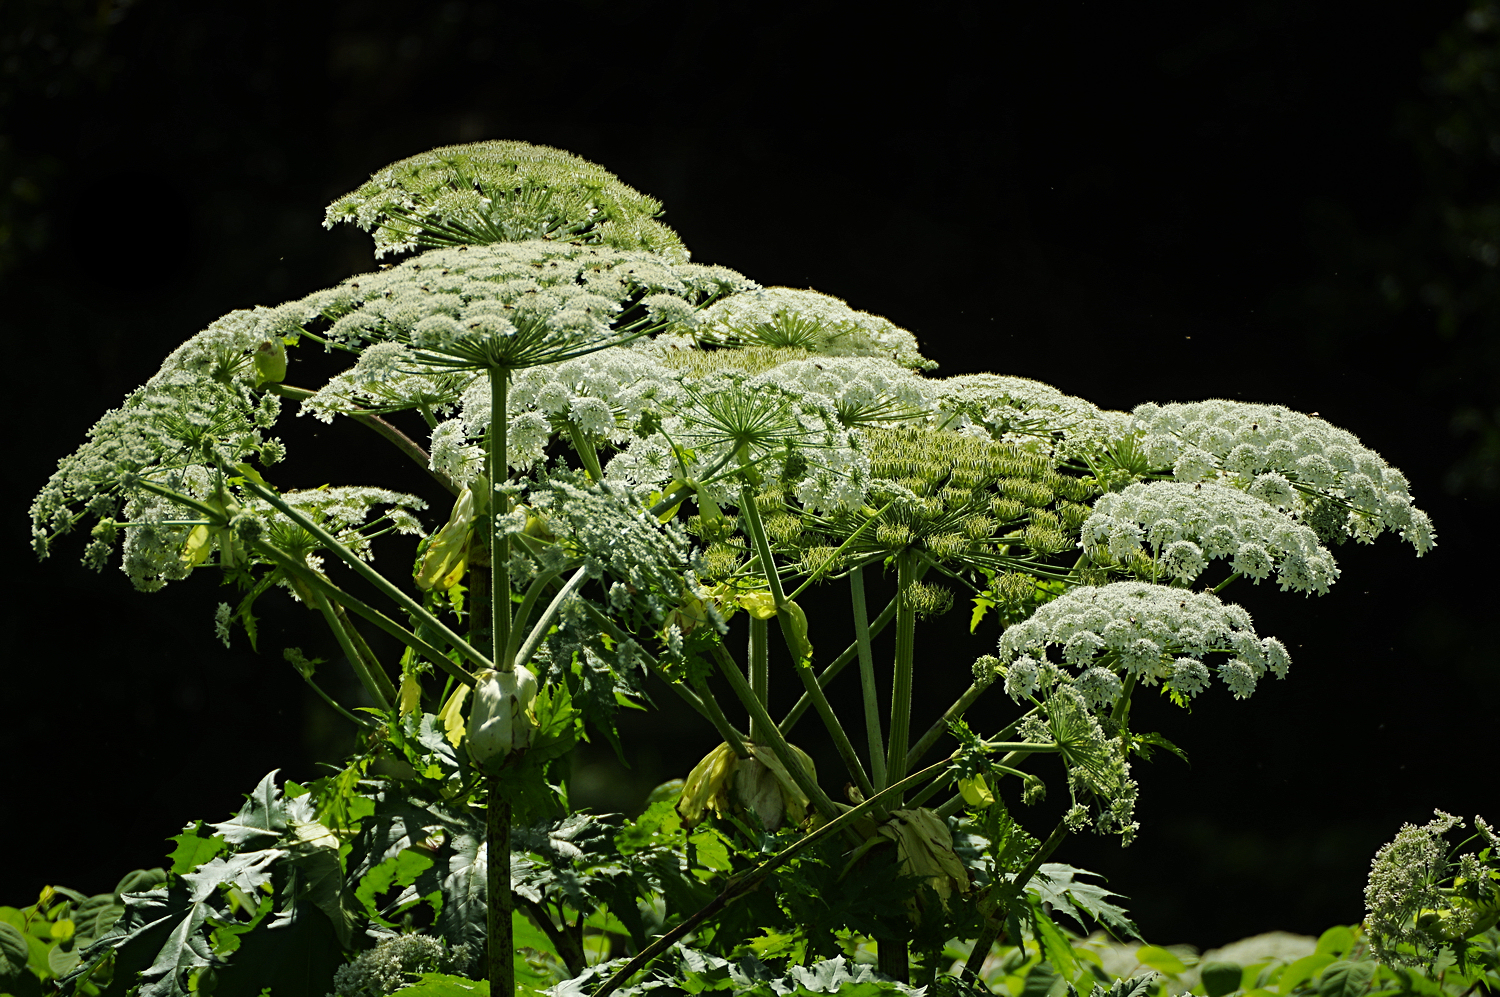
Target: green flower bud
x: 500, y: 721
x: 270, y: 362
x: 722, y: 784
x: 445, y: 557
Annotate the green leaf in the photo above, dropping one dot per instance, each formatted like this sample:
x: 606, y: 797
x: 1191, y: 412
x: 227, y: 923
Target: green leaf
x: 442, y: 985
x: 262, y: 816
x: 14, y: 951
x: 147, y: 879
x: 1220, y: 978
x: 1057, y: 884
x: 1346, y: 978
x: 462, y: 918
x: 314, y: 857
x: 1160, y: 960
x: 1303, y: 969
x: 1135, y: 986
x: 982, y: 605
x: 195, y: 846
x: 1335, y: 941
x: 1054, y: 944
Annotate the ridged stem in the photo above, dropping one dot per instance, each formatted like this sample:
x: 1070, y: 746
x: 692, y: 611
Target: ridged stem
x: 906, y: 628
x: 499, y: 505
x: 871, y: 695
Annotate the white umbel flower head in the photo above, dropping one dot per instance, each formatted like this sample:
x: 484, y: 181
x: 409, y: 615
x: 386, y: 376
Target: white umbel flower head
x: 1320, y: 473
x: 1191, y: 524
x: 818, y: 323
x: 1133, y: 629
x: 499, y: 722
x: 1023, y: 411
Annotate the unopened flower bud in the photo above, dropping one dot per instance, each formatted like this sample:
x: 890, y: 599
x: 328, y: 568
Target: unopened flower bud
x: 270, y: 361
x: 500, y: 720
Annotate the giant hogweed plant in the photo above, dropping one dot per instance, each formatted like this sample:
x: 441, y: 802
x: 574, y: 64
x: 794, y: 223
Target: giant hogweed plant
x: 631, y: 450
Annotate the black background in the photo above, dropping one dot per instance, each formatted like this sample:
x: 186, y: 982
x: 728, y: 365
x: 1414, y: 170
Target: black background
x: 1128, y: 204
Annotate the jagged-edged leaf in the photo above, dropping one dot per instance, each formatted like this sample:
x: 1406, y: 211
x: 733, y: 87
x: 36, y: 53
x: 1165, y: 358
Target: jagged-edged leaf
x: 460, y: 866
x: 1055, y: 946
x: 195, y: 846
x: 313, y: 852
x: 1058, y: 885
x: 1135, y: 986
x: 262, y: 816
x: 140, y: 879
x: 248, y: 871
x: 837, y: 976
x: 186, y: 948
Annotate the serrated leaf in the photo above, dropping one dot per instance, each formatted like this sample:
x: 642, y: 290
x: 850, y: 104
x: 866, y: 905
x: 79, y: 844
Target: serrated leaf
x: 314, y: 856
x: 461, y: 863
x: 195, y: 846
x: 1057, y: 884
x: 1135, y: 986
x: 262, y: 816
x: 1055, y: 946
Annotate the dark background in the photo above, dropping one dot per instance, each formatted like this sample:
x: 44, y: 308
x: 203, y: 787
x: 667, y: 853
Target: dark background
x: 1276, y: 201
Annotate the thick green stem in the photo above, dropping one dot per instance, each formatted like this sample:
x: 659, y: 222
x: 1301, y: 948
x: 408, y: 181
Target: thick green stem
x: 499, y: 505
x: 356, y: 661
x: 523, y: 611
x: 369, y: 574
x: 500, y: 945
x: 740, y: 885
x: 759, y: 654
x: 906, y: 627
x: 871, y: 695
x: 366, y: 654
x: 721, y: 723
x: 774, y: 740
x: 586, y: 451
x: 750, y: 516
x: 1000, y: 895
x: 835, y: 729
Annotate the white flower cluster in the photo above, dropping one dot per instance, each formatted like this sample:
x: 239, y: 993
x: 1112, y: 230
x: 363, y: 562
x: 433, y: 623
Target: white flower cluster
x: 573, y: 294
x: 1022, y: 411
x: 861, y: 390
x: 198, y: 409
x: 387, y: 377
x: 343, y: 511
x: 793, y: 437
x: 1135, y: 629
x: 389, y: 965
x: 1187, y: 525
x: 605, y: 525
x: 783, y: 316
x: 1407, y: 876
x: 1301, y: 463
x: 502, y: 190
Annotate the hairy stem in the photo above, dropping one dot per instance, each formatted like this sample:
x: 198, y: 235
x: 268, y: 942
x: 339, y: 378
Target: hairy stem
x: 838, y: 664
x: 871, y: 696
x: 312, y: 580
x: 528, y: 603
x: 499, y: 505
x: 549, y: 616
x: 740, y: 885
x: 1002, y: 893
x: 499, y: 935
x: 906, y: 626
x: 759, y: 654
x: 361, y: 670
x: 774, y: 740
x: 369, y: 574
x: 940, y: 725
x: 586, y: 451
x: 372, y: 663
